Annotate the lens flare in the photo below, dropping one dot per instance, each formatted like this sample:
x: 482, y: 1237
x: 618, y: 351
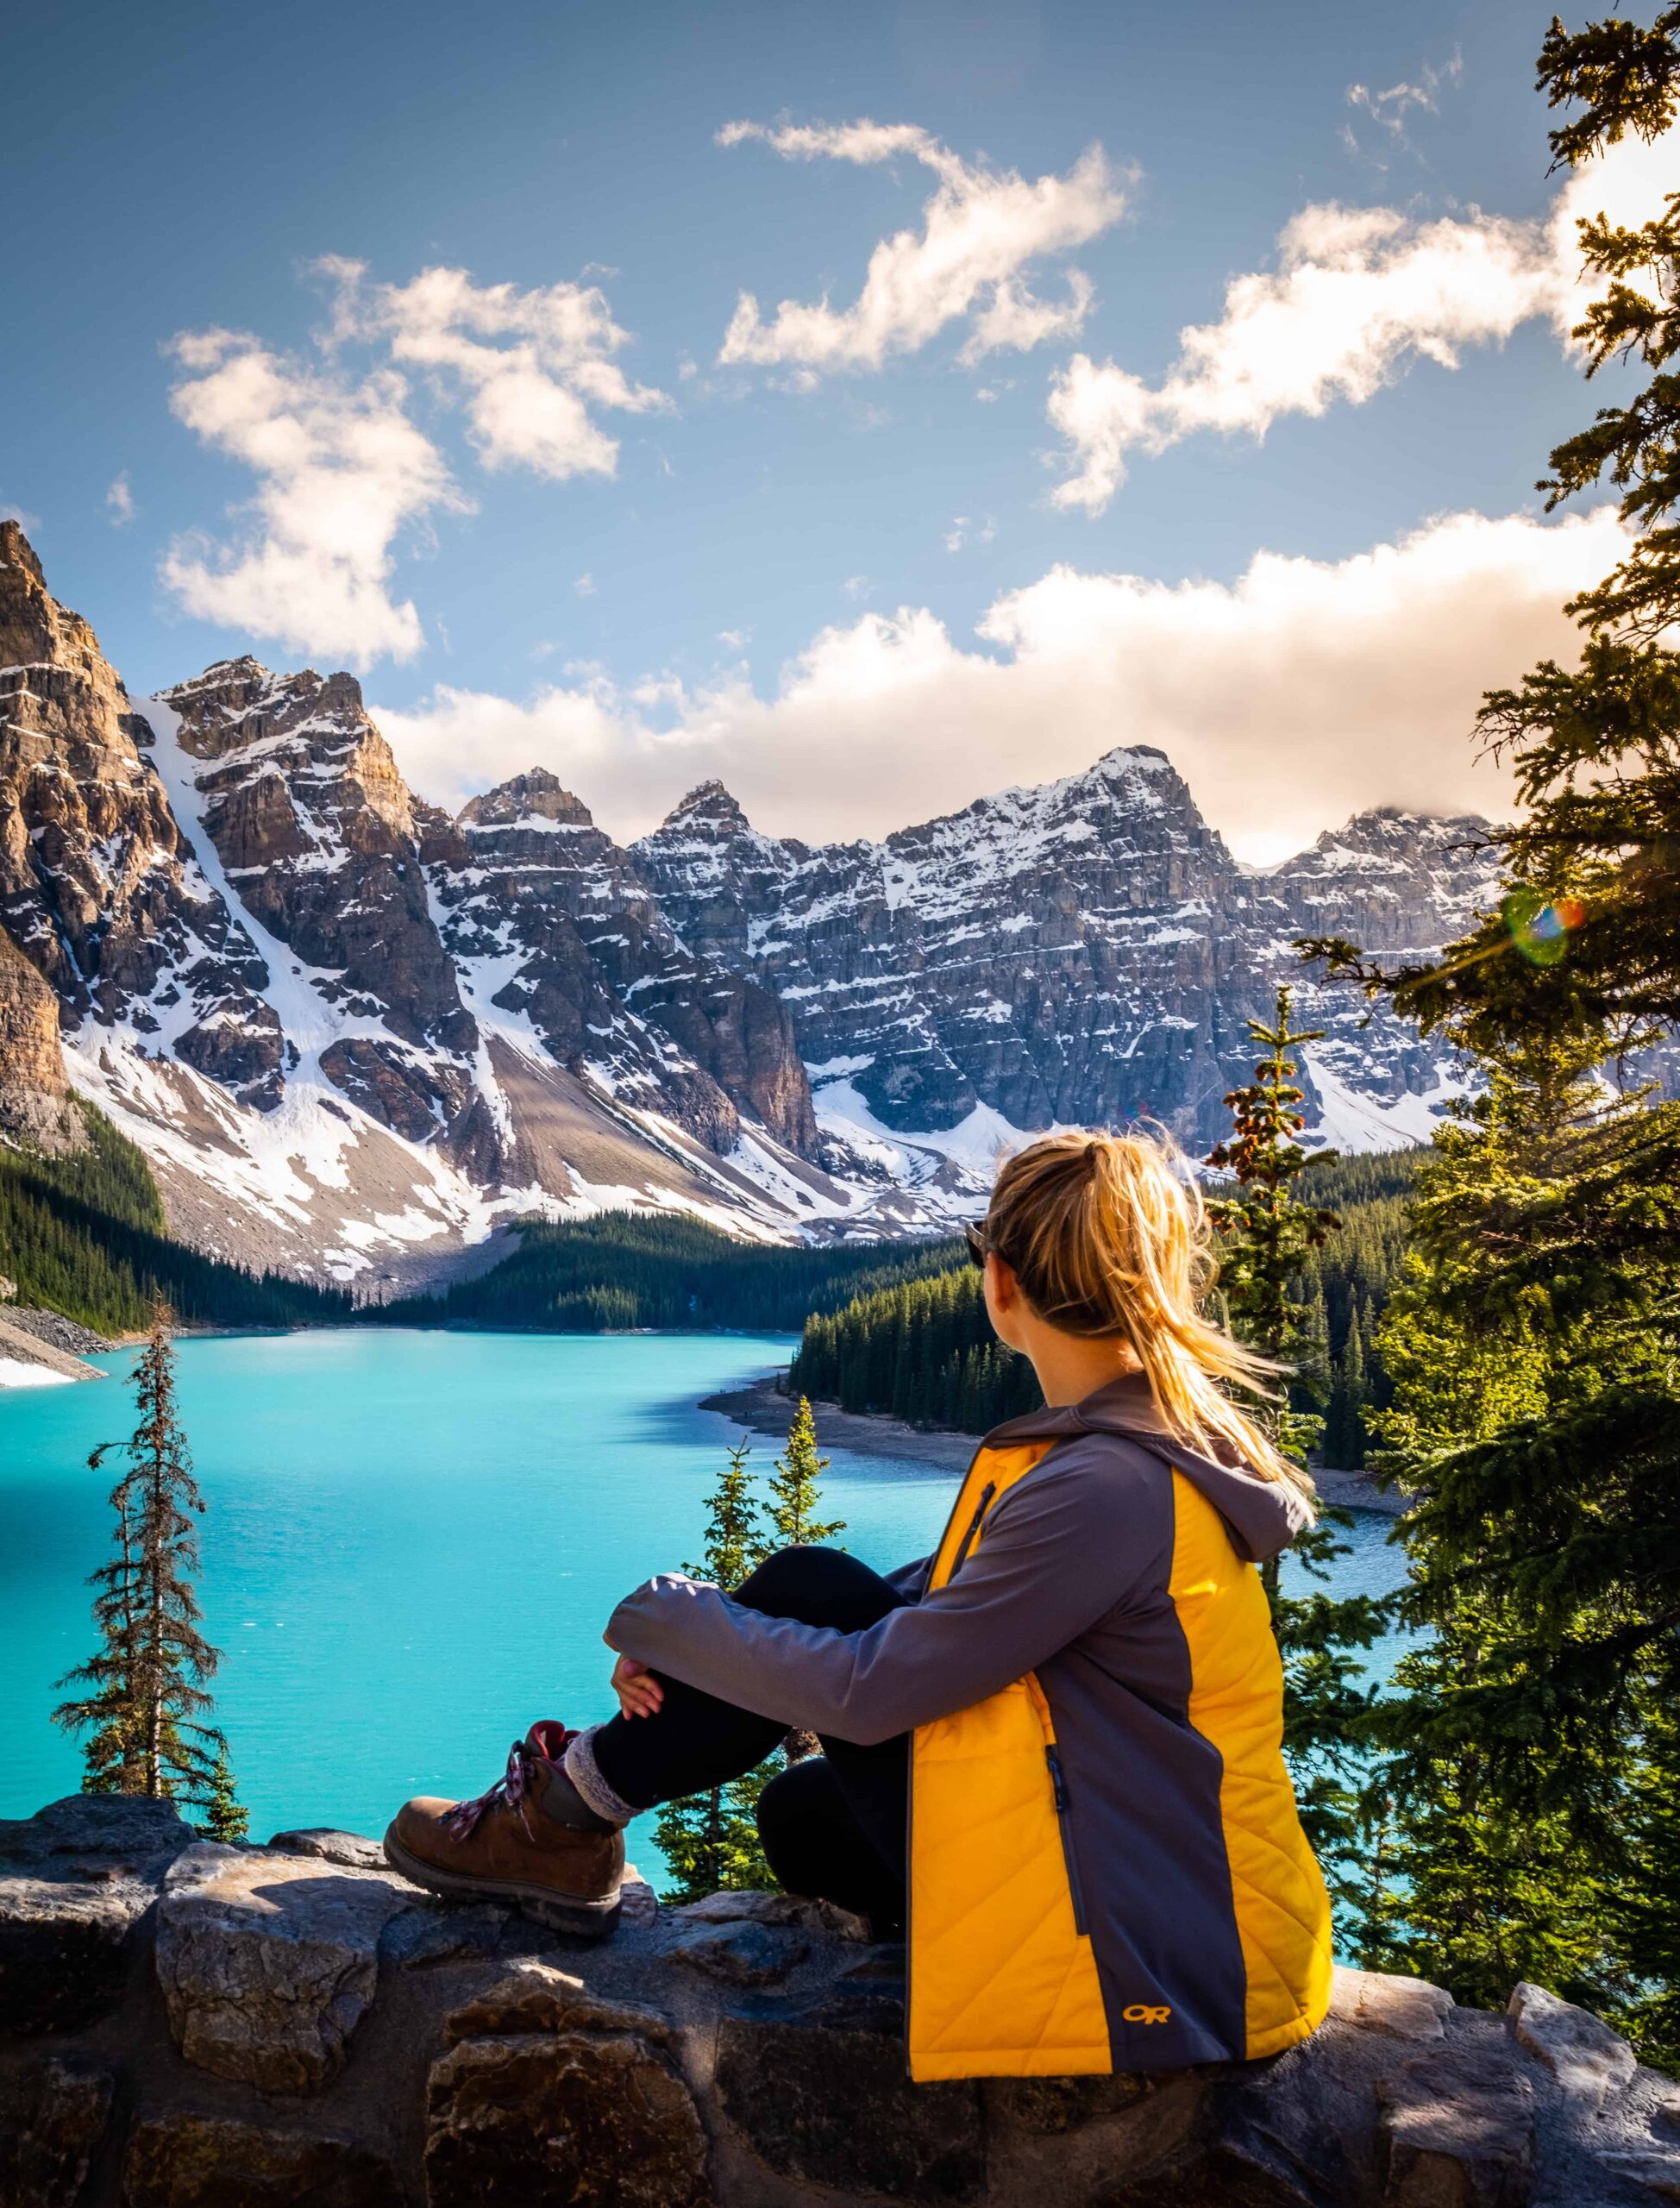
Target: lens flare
x: 1540, y: 927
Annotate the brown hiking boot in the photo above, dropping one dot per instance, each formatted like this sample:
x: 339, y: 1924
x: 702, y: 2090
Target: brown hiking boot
x: 504, y: 1847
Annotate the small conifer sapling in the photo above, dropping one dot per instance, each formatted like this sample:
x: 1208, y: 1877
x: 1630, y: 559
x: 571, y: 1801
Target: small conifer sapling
x: 145, y: 1690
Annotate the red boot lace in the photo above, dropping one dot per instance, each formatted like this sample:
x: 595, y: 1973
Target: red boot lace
x: 544, y: 1743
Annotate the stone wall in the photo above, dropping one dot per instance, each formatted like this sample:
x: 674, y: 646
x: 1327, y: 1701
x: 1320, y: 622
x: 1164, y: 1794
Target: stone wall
x: 185, y: 2025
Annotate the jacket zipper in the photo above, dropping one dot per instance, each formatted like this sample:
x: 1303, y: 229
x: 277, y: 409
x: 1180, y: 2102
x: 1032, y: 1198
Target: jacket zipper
x: 1059, y: 1794
x: 968, y: 1538
x: 1075, y: 1891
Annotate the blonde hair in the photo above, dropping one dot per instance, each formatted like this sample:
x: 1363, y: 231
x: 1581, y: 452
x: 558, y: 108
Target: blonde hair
x: 1107, y: 1235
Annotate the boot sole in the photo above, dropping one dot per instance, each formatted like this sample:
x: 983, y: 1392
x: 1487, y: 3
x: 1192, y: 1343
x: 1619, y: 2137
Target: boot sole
x: 574, y: 1913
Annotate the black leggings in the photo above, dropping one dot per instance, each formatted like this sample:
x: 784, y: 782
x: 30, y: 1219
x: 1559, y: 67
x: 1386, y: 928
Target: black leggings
x: 833, y: 1825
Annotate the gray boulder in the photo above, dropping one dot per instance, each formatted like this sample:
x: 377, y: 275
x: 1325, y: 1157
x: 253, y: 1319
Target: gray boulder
x: 268, y: 1962
x: 75, y: 1880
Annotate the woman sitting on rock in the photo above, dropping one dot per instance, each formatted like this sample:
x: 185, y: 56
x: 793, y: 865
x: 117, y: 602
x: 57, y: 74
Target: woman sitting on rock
x: 1051, y: 1750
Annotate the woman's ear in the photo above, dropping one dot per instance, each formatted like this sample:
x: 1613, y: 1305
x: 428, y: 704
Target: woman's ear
x: 1004, y: 1299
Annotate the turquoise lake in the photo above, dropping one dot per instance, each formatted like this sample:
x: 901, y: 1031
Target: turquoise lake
x: 412, y: 1543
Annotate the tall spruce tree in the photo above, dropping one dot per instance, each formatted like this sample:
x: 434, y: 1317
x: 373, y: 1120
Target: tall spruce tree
x: 796, y: 1487
x: 709, y: 1841
x: 1535, y: 1344
x: 146, y: 1687
x: 1267, y: 1234
x: 795, y: 1493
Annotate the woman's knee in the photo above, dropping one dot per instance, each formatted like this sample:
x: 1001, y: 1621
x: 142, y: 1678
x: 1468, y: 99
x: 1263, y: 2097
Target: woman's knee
x: 818, y: 1586
x: 799, y: 1812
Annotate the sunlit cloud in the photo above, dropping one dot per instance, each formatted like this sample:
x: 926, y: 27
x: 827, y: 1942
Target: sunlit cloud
x: 343, y: 469
x: 1301, y: 692
x: 339, y: 469
x: 1357, y: 296
x: 981, y: 230
x: 529, y: 365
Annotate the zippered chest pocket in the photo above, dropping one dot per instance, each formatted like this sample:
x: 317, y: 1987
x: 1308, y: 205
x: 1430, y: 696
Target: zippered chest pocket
x: 1059, y: 1793
x: 972, y: 1533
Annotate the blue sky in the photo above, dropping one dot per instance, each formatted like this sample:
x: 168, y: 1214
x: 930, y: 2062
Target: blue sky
x: 778, y: 572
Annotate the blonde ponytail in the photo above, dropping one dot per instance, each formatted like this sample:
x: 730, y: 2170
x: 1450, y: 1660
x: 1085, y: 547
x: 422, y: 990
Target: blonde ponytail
x: 1107, y: 1235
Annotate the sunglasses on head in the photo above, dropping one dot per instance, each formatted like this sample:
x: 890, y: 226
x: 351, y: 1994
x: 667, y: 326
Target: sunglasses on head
x: 981, y: 1244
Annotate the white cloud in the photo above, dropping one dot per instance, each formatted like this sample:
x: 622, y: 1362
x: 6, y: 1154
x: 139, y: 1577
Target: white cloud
x: 1357, y: 295
x: 1390, y: 109
x: 341, y: 469
x: 584, y: 586
x: 1303, y: 691
x: 737, y: 639
x: 529, y: 365
x: 964, y: 531
x: 982, y: 230
x: 120, y: 501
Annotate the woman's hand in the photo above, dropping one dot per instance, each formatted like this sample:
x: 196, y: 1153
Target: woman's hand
x: 639, y: 1692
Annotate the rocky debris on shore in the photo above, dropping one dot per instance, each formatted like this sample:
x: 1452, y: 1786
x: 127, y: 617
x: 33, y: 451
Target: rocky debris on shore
x: 56, y: 1331
x: 190, y: 2025
x: 27, y: 1347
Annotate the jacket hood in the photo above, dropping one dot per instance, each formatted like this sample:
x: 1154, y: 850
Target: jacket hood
x: 1263, y: 1516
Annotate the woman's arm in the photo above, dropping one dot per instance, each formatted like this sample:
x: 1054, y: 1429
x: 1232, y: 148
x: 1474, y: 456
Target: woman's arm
x: 1060, y: 1550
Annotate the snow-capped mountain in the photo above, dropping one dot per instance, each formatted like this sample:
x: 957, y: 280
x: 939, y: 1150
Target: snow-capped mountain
x: 355, y: 1034
x: 1081, y: 953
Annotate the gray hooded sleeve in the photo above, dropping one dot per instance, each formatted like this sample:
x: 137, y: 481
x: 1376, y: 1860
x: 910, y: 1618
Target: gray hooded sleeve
x: 1088, y: 1527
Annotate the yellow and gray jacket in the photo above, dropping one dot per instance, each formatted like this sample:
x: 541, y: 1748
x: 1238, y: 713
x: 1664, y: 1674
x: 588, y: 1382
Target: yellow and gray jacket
x: 1107, y: 1868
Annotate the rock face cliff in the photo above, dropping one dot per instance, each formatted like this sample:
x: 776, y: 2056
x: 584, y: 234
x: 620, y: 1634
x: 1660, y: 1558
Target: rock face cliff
x: 354, y: 1033
x: 1086, y: 952
x: 98, y: 887
x: 548, y: 917
x: 35, y: 1096
x: 351, y: 1032
x: 185, y: 2025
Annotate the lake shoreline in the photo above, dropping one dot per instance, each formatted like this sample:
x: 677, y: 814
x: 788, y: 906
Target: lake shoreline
x: 763, y: 1410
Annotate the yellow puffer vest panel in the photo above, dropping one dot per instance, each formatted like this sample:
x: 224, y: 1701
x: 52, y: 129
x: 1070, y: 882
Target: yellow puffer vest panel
x: 1034, y: 1947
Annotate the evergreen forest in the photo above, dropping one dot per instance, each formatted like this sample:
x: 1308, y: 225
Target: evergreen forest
x: 83, y: 1232
x: 921, y: 1349
x: 625, y: 1270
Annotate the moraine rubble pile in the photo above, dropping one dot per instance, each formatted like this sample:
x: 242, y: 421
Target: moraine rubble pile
x: 189, y: 2025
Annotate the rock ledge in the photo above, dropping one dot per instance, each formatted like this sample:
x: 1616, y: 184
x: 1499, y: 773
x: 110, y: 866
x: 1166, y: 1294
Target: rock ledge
x: 185, y: 2025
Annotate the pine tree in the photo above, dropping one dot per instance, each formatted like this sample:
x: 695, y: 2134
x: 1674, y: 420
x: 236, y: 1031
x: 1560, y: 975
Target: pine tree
x: 1266, y: 1231
x: 796, y: 1489
x: 735, y: 1542
x: 1267, y: 1234
x: 1534, y: 1347
x: 225, y: 1817
x: 1533, y: 1721
x: 795, y: 1492
x: 146, y: 1684
x: 711, y: 1840
x: 1314, y: 1361
x: 1345, y: 1427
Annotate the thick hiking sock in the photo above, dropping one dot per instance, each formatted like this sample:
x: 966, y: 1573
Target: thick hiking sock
x: 578, y: 1795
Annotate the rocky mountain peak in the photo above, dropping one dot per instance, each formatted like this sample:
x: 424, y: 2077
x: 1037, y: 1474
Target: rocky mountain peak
x: 16, y: 551
x: 1395, y: 882
x: 708, y: 806
x: 237, y: 903
x: 55, y: 681
x: 536, y: 795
